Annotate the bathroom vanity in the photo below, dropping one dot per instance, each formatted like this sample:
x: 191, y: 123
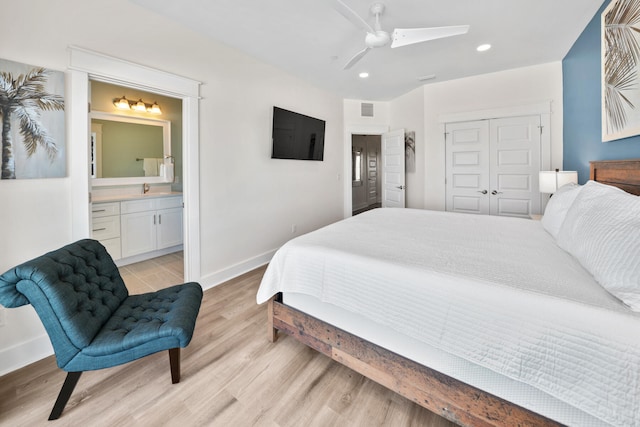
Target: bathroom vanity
x: 138, y: 227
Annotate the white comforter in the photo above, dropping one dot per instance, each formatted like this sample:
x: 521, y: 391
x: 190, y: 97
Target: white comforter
x: 497, y: 292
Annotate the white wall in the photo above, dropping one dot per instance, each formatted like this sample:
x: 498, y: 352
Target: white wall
x: 353, y: 116
x: 517, y: 87
x: 248, y: 201
x: 407, y: 112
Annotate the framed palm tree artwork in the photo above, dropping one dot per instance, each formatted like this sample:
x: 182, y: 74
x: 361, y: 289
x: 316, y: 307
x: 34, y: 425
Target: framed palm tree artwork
x: 410, y: 151
x: 620, y: 62
x: 33, y: 128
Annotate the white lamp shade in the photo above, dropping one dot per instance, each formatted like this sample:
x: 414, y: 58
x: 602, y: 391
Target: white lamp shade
x: 550, y: 181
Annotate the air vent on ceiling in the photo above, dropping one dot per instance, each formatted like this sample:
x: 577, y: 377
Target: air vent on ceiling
x: 428, y: 77
x: 366, y: 109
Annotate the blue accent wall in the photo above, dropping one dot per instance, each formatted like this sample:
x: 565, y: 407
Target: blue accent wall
x: 582, y: 135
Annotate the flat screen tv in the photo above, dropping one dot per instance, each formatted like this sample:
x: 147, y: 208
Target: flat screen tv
x: 296, y: 136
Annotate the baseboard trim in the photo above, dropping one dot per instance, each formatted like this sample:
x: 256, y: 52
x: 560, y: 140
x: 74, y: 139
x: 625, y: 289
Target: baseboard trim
x: 121, y: 262
x: 26, y: 353
x: 214, y: 279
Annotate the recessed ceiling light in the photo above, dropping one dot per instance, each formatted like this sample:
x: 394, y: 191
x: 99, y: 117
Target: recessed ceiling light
x: 483, y: 47
x: 363, y: 75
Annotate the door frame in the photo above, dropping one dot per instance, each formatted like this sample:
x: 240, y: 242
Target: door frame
x: 349, y: 131
x: 85, y: 65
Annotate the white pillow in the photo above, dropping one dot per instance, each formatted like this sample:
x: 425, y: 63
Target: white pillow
x: 602, y: 230
x: 557, y: 208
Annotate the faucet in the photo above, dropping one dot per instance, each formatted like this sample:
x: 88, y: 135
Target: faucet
x: 145, y: 188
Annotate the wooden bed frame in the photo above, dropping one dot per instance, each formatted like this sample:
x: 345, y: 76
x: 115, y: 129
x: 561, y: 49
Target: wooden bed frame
x: 439, y: 393
x: 623, y: 174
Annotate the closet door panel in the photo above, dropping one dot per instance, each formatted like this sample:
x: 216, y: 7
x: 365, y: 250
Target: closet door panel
x: 467, y: 168
x: 514, y: 165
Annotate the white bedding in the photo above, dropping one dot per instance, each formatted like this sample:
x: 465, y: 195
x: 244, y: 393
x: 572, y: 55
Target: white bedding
x: 496, y: 292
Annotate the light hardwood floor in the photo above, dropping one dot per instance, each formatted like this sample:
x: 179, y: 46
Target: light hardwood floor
x: 154, y: 274
x: 231, y: 376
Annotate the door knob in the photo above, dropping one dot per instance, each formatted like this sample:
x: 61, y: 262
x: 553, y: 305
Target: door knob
x: 401, y: 187
x: 494, y: 192
x: 483, y: 191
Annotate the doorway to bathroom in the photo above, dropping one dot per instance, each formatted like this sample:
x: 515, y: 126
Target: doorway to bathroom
x: 86, y: 66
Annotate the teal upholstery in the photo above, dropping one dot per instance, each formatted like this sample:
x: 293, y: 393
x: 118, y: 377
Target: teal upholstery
x: 142, y: 325
x: 92, y: 321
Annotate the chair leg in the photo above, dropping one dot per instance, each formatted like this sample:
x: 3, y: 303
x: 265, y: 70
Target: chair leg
x: 64, y: 395
x: 174, y: 360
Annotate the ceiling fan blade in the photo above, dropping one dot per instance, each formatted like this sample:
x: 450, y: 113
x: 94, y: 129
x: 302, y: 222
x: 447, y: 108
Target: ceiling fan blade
x: 348, y: 13
x: 406, y: 36
x: 357, y: 57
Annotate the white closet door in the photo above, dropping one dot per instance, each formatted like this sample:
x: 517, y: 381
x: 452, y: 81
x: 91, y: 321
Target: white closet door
x: 392, y: 147
x: 514, y: 166
x: 467, y: 168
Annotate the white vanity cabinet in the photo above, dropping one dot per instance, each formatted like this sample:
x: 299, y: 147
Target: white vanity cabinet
x: 105, y: 227
x: 150, y: 224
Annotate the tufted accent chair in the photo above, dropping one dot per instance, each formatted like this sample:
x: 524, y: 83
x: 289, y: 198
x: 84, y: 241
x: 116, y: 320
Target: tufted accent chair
x: 92, y: 321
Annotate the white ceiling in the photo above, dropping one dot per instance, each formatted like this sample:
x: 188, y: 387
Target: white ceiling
x: 310, y: 39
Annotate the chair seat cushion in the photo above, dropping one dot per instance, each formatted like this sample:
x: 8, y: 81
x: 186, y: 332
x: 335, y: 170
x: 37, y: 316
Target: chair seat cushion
x: 142, y: 325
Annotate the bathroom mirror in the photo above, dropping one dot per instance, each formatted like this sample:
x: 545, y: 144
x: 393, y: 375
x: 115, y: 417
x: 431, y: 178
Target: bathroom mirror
x: 129, y: 150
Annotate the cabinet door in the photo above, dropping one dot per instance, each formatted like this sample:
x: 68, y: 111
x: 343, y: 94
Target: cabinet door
x: 114, y: 247
x: 169, y: 227
x: 138, y: 233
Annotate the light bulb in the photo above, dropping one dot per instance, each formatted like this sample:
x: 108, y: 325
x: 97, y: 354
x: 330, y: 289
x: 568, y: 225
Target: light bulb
x: 155, y: 109
x: 140, y: 106
x: 122, y: 104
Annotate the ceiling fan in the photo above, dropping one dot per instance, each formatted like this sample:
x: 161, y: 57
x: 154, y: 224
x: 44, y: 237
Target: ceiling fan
x: 377, y: 37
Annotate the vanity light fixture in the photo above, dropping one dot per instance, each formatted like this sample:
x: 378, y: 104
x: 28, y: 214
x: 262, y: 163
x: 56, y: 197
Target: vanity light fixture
x: 155, y: 109
x: 122, y: 103
x: 140, y: 106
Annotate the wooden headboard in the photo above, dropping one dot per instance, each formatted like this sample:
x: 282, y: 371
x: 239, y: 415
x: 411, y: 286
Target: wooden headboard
x: 623, y: 174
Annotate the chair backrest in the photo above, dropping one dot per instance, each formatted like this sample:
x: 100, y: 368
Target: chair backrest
x: 74, y: 290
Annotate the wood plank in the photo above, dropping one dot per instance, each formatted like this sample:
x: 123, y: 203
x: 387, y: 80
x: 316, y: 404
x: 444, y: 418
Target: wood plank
x: 451, y: 399
x: 624, y: 174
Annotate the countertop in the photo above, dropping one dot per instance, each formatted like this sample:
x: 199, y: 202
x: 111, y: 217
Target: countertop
x: 124, y: 197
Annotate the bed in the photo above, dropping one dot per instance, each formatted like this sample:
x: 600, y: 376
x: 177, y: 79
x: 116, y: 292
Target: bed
x: 511, y: 327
